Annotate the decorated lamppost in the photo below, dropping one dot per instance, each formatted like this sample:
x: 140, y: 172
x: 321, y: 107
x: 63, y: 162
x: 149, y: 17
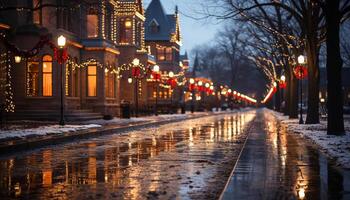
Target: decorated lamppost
x: 300, y: 72
x: 172, y: 83
x: 136, y: 72
x: 156, y: 77
x: 61, y: 58
x: 282, y: 86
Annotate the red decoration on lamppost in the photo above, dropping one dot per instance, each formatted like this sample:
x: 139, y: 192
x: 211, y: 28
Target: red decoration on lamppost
x: 136, y: 71
x: 300, y: 72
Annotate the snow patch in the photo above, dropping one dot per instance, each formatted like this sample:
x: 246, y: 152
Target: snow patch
x: 45, y: 130
x: 337, y: 147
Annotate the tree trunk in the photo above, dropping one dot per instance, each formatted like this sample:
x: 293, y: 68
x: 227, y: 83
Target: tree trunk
x: 313, y: 78
x: 278, y: 99
x: 287, y: 95
x: 335, y: 121
x: 293, y: 95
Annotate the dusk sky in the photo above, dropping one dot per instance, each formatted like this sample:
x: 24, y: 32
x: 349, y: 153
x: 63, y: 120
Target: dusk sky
x: 193, y: 32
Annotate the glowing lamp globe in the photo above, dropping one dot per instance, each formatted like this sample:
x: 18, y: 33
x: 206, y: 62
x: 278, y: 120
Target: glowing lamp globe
x: 301, y: 59
x: 171, y: 74
x: 200, y: 83
x: 18, y: 59
x: 156, y: 68
x: 129, y: 80
x: 283, y: 78
x: 207, y: 85
x: 61, y: 41
x: 136, y: 62
x: 191, y: 80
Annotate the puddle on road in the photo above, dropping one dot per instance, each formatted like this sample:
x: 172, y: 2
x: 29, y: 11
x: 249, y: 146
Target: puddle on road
x: 304, y: 172
x: 190, y: 159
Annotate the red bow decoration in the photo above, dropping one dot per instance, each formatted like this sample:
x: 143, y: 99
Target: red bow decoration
x: 191, y: 87
x: 135, y: 71
x: 300, y: 72
x: 60, y: 56
x: 172, y: 82
x: 156, y: 76
x: 283, y: 84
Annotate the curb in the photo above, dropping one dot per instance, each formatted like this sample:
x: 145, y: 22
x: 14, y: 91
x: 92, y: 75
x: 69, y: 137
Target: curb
x: 239, y: 156
x: 85, y: 134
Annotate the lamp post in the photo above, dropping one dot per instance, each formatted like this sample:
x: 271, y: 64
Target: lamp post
x: 192, y: 93
x: 156, y: 76
x: 301, y: 60
x: 136, y: 63
x: 171, y: 76
x: 61, y: 42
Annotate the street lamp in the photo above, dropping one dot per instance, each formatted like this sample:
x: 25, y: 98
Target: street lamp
x: 192, y: 81
x: 301, y: 61
x: 171, y: 76
x: 18, y: 59
x: 136, y: 65
x: 130, y: 80
x: 283, y: 78
x: 61, y: 42
x: 156, y: 76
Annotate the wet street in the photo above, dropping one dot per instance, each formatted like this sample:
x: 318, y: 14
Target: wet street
x: 191, y: 159
x: 187, y: 160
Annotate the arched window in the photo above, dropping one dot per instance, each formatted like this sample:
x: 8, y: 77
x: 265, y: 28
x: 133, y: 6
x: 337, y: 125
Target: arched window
x: 47, y: 75
x: 126, y: 31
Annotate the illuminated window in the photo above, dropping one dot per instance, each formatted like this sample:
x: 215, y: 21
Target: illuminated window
x: 160, y: 54
x: 110, y: 84
x: 37, y: 12
x: 160, y: 94
x: 32, y: 78
x: 92, y: 80
x: 165, y: 95
x: 126, y: 31
x: 92, y: 23
x: 47, y: 75
x: 154, y: 94
x: 169, y: 54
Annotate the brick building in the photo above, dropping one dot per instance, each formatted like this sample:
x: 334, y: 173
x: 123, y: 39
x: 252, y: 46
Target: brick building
x: 162, y: 36
x: 103, y: 38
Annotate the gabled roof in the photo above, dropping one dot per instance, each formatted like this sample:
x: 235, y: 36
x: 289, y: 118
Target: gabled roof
x: 184, y: 56
x: 166, y: 23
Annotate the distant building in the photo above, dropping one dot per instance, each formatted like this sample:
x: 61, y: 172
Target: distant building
x: 162, y: 36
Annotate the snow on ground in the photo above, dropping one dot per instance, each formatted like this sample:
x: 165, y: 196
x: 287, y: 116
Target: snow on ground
x: 56, y: 129
x: 44, y: 130
x: 337, y: 147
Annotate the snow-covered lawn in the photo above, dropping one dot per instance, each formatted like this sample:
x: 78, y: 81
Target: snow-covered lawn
x: 338, y: 147
x: 44, y: 130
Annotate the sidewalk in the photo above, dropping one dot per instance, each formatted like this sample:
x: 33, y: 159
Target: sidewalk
x: 24, y: 139
x: 277, y: 165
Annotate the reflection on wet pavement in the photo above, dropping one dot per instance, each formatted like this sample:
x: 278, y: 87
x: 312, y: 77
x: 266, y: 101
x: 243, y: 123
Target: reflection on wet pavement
x: 190, y: 159
x: 277, y: 165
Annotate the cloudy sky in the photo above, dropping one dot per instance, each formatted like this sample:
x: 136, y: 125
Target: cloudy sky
x: 193, y: 32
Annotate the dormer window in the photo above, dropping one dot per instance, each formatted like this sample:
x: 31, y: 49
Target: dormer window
x: 154, y: 26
